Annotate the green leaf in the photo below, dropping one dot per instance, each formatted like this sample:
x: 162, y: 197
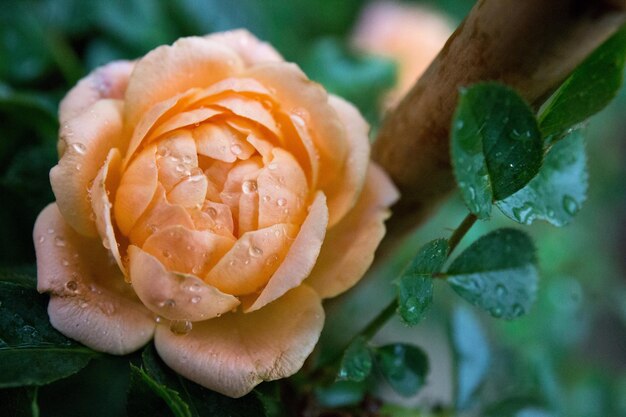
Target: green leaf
x: 588, y: 89
x: 496, y: 145
x: 356, y: 363
x: 558, y: 191
x: 497, y: 273
x: 200, y: 401
x: 471, y: 354
x: 148, y: 397
x: 415, y: 285
x: 404, y: 367
x: 31, y: 351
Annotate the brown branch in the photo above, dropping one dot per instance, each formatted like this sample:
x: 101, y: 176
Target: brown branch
x: 531, y: 45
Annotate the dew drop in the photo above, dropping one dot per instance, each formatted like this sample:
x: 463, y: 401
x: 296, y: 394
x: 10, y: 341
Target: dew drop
x: 59, y: 241
x: 186, y: 159
x: 236, y: 149
x: 232, y: 263
x: 255, y: 251
x: 496, y: 312
x: 180, y: 327
x: 501, y: 290
x: 570, y: 205
x: 79, y: 148
x: 78, y: 167
x: 180, y: 168
x: 249, y: 186
x: 281, y: 202
x: 50, y: 231
x: 518, y: 310
x: 167, y: 303
x: 41, y: 239
x: 158, y: 319
x: 71, y: 285
x: 196, y: 299
x: 84, y: 305
x: 167, y: 254
x: 66, y: 262
x: 267, y: 198
x: 152, y: 228
x: 272, y: 166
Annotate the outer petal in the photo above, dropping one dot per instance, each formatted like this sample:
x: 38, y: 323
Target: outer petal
x: 88, y: 138
x: 109, y: 81
x: 90, y: 301
x: 349, y: 247
x: 301, y: 257
x: 343, y: 192
x: 173, y: 295
x: 309, y: 102
x: 170, y: 70
x: 235, y: 352
x: 107, y: 179
x: 250, y: 49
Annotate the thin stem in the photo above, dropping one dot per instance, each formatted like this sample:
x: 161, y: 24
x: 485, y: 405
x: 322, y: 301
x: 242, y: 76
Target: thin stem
x: 379, y: 321
x: 461, y: 231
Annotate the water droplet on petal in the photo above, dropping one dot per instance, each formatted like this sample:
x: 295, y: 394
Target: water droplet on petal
x: 180, y: 168
x: 167, y: 303
x: 79, y: 148
x: 281, y: 202
x: 267, y: 198
x: 167, y: 254
x: 196, y: 299
x: 59, y: 241
x: 518, y: 310
x: 255, y: 251
x: 71, y: 285
x: 180, y: 327
x: 496, y: 312
x: 272, y: 166
x: 249, y: 186
x: 236, y: 149
x: 158, y: 319
x: 41, y: 239
x: 232, y: 262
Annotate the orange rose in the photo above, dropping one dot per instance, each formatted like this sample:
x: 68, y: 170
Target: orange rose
x: 210, y: 196
x: 409, y: 34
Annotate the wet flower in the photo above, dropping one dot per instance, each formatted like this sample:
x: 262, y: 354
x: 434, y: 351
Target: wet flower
x: 210, y: 196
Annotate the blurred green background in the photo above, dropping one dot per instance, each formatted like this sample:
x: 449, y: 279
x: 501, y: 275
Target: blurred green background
x: 568, y: 354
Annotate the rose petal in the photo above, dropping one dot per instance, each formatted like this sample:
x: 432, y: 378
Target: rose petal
x: 252, y: 260
x: 283, y: 190
x: 246, y: 108
x: 240, y: 172
x: 216, y: 217
x: 159, y: 214
x: 235, y: 352
x: 173, y: 295
x: 176, y: 158
x: 298, y: 95
x: 191, y: 191
x: 137, y: 187
x: 88, y: 139
x: 90, y: 301
x: 170, y: 70
x: 349, y: 247
x: 183, y: 119
x: 250, y: 49
x: 244, y: 86
x: 220, y: 142
x: 188, y: 251
x: 108, y: 81
x: 343, y: 192
x: 107, y: 179
x: 301, y: 257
